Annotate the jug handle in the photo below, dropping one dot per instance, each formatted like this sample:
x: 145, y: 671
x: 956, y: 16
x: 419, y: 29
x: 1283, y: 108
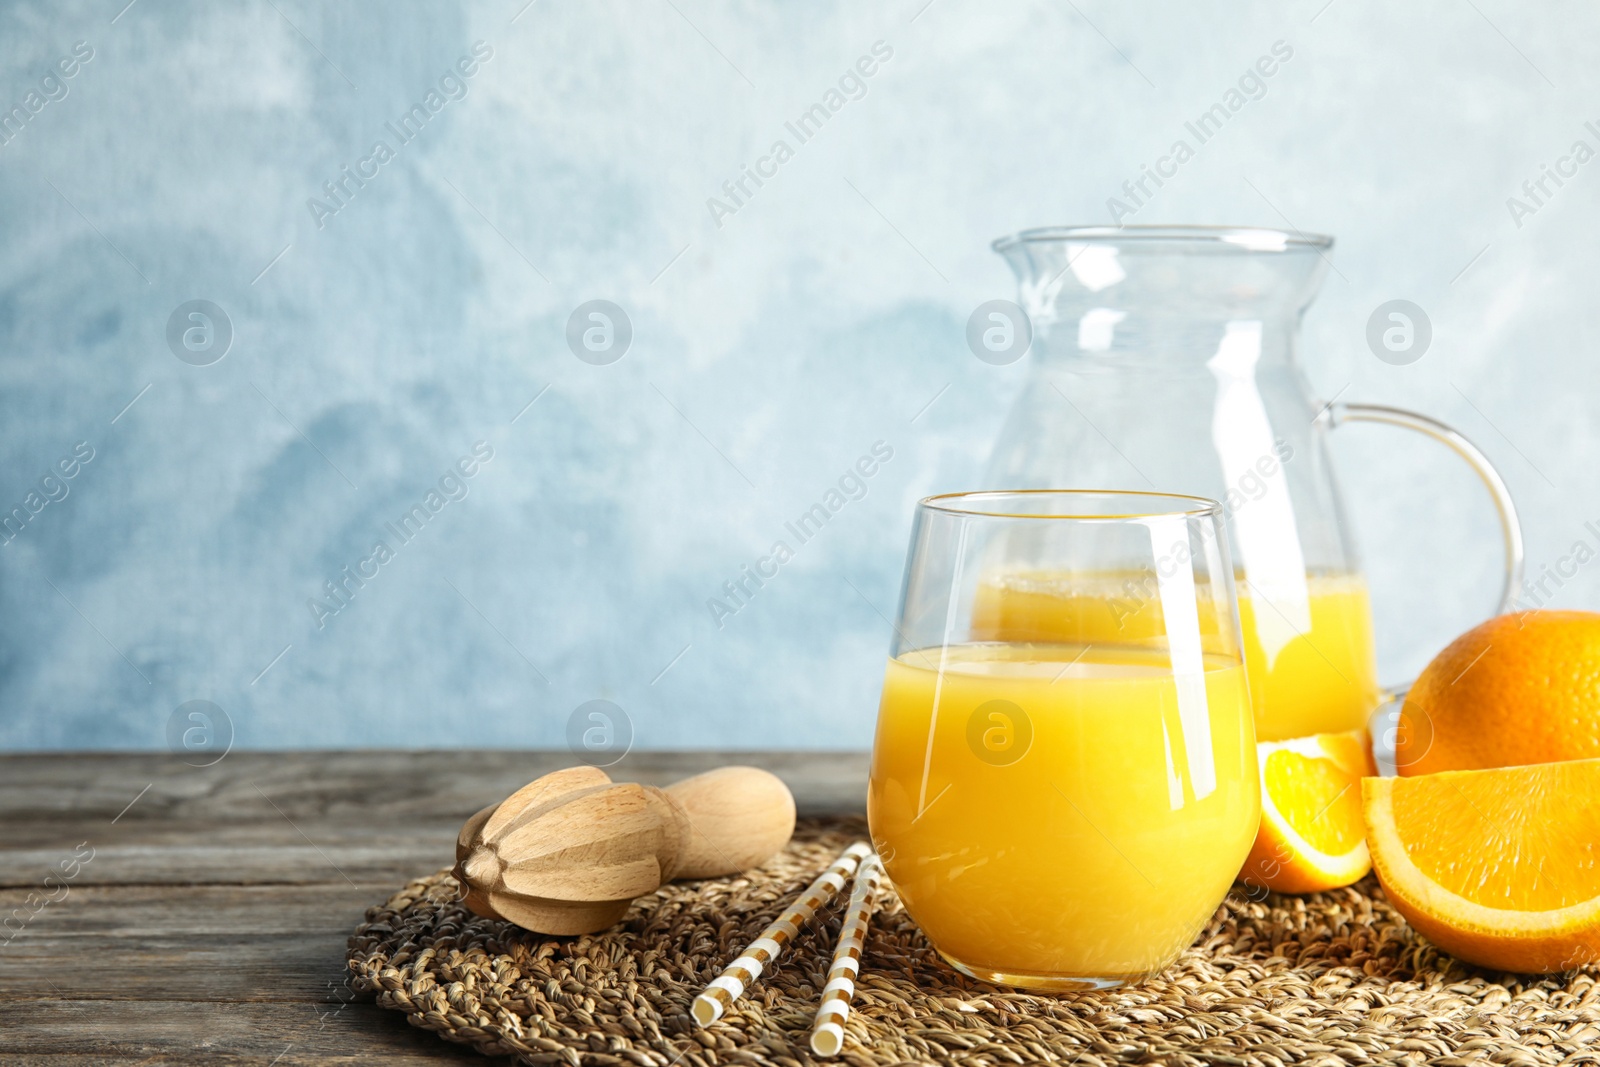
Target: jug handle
x: 1338, y: 413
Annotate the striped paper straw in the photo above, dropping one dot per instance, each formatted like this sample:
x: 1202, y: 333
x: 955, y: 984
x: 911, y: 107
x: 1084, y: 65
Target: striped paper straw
x: 827, y: 1029
x: 730, y: 986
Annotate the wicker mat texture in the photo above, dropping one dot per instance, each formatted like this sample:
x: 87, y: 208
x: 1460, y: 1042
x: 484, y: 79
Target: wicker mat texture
x: 1334, y: 978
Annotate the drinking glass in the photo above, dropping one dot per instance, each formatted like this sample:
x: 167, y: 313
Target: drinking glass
x: 1064, y: 814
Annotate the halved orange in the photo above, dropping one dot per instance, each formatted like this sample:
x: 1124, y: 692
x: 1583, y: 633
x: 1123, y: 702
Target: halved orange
x: 1498, y: 867
x: 1312, y: 836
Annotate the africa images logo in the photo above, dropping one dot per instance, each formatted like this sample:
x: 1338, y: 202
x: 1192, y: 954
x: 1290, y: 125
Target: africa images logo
x: 453, y: 85
x: 352, y: 578
x: 1251, y: 86
x: 852, y: 85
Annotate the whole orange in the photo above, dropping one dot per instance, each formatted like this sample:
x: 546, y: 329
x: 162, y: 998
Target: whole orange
x: 1519, y: 689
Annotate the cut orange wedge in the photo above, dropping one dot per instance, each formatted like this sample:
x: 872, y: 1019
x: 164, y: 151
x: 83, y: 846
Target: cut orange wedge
x: 1312, y: 836
x: 1498, y: 867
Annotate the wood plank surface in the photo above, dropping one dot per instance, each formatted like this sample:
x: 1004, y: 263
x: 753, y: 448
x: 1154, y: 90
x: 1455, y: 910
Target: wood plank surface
x: 69, y: 1033
x: 154, y: 912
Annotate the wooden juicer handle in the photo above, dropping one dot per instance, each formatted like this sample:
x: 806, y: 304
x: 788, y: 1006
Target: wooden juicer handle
x: 568, y: 852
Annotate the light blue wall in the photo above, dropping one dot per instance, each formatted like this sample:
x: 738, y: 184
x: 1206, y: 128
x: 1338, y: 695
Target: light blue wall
x: 769, y: 352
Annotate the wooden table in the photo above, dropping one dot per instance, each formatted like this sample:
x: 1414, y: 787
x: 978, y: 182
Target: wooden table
x: 205, y: 910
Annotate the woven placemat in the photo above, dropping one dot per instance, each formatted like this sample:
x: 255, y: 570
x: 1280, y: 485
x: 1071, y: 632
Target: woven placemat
x: 1334, y: 978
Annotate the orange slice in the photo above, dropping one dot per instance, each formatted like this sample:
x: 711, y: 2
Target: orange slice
x: 1312, y: 836
x: 1498, y: 867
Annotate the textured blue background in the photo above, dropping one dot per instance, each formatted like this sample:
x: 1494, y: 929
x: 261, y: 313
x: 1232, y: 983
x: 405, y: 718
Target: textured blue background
x: 768, y: 353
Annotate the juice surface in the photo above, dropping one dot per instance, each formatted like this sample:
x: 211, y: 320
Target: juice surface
x: 1320, y: 678
x: 1084, y: 829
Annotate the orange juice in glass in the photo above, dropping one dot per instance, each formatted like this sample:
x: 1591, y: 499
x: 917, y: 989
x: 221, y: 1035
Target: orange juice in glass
x: 1059, y: 814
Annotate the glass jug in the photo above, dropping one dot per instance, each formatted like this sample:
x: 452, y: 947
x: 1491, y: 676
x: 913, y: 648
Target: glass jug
x: 1165, y: 359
